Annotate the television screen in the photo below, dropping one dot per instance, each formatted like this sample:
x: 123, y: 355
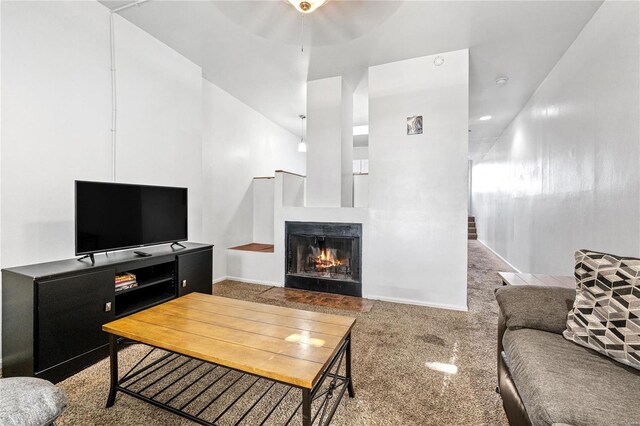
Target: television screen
x: 112, y: 216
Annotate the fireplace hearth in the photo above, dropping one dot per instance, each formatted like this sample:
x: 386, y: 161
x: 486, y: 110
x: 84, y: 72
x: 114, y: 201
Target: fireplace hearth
x: 324, y: 257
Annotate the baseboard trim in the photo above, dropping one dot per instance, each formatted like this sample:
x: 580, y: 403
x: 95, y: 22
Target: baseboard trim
x: 419, y: 303
x: 501, y: 258
x: 218, y: 280
x: 250, y: 281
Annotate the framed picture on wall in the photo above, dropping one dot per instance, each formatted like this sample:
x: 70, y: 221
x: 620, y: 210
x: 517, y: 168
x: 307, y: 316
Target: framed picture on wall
x: 414, y: 125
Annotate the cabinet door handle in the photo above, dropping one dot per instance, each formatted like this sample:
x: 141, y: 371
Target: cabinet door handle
x: 184, y: 283
x: 107, y: 307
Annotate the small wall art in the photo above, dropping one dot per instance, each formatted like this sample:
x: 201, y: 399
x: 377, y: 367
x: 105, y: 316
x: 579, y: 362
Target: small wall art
x: 414, y: 125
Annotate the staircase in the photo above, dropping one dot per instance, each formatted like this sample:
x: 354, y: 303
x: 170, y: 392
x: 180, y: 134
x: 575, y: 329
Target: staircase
x: 473, y: 235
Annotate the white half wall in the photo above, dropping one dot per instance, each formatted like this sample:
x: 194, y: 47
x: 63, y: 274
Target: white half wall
x: 564, y: 175
x: 292, y: 190
x: 418, y: 184
x: 238, y: 144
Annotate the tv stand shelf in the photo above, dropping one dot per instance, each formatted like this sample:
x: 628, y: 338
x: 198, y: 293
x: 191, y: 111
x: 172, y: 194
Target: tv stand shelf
x: 137, y: 305
x: 145, y: 285
x: 156, y: 284
x: 52, y: 313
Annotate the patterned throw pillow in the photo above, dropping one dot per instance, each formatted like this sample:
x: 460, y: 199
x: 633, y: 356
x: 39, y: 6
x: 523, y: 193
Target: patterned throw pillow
x: 606, y: 313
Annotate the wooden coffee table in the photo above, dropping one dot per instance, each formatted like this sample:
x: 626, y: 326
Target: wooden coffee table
x: 209, y: 349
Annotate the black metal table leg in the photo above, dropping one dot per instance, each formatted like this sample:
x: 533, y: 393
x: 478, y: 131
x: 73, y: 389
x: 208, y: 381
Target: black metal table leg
x: 113, y: 361
x: 348, y: 367
x: 306, y: 407
x: 326, y: 394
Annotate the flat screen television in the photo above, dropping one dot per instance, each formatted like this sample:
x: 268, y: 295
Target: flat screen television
x: 114, y: 216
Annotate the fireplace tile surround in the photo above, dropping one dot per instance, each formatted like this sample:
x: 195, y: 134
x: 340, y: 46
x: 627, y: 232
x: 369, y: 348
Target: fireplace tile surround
x: 324, y: 256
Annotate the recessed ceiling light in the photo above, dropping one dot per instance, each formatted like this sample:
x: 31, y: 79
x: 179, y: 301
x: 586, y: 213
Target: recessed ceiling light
x: 438, y: 60
x: 485, y: 118
x: 502, y: 80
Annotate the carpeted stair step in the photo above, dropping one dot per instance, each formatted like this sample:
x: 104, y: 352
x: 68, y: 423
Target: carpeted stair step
x: 473, y: 233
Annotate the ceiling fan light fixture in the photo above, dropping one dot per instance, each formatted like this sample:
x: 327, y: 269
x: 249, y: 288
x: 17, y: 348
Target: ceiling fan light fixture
x: 302, y: 146
x: 307, y: 6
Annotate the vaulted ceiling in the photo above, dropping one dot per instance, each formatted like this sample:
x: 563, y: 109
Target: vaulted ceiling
x: 252, y: 49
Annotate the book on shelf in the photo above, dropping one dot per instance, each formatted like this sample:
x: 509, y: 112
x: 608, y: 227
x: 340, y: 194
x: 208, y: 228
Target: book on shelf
x: 125, y: 276
x: 125, y: 280
x: 125, y: 286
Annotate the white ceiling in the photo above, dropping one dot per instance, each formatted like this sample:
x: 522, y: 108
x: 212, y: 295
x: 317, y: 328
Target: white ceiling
x: 252, y: 49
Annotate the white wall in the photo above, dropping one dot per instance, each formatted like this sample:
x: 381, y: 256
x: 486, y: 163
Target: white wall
x: 360, y: 152
x: 55, y: 122
x: 159, y: 117
x: 564, y: 175
x: 418, y: 186
x: 238, y: 145
x: 262, y: 190
x: 360, y: 190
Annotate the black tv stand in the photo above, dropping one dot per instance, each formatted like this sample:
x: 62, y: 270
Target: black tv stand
x: 52, y: 313
x: 90, y: 256
x: 175, y: 243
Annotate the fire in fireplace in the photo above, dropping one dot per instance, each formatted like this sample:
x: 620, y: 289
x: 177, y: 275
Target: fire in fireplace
x: 324, y: 257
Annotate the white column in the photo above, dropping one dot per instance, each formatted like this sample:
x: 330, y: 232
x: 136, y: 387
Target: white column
x: 346, y: 123
x: 329, y: 143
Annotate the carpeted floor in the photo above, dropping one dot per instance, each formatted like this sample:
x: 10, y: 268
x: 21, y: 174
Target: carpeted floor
x: 394, y: 347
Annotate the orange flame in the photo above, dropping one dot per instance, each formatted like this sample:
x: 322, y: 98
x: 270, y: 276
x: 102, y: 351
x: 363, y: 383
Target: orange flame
x: 327, y: 260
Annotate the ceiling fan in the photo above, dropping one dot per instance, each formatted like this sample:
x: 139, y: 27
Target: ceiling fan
x: 327, y: 23
x: 307, y: 6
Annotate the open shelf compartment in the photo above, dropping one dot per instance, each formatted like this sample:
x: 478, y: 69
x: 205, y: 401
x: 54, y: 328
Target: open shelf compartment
x: 156, y: 284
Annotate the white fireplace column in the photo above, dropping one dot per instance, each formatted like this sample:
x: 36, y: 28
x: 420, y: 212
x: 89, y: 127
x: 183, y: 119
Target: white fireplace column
x: 329, y: 143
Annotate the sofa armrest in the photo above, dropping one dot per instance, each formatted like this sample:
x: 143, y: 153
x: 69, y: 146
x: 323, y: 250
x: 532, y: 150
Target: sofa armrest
x: 540, y: 308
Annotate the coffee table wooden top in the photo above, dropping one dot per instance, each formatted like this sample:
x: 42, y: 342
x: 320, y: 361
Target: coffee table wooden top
x: 513, y: 278
x: 288, y: 345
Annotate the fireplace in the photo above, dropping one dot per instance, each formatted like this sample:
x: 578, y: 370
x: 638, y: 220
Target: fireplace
x: 324, y: 257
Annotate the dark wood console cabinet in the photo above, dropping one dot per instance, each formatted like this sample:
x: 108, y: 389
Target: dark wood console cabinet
x: 52, y: 313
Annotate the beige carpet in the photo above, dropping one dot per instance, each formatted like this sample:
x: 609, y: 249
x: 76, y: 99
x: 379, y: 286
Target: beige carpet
x: 394, y: 345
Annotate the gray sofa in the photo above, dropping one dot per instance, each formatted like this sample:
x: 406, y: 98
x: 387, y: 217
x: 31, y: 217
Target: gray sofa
x: 546, y: 380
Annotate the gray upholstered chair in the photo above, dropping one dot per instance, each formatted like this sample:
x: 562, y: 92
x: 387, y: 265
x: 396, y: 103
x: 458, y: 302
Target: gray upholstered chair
x: 27, y: 401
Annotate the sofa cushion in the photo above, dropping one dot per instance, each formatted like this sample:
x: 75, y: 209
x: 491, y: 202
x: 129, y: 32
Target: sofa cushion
x: 606, y: 313
x: 27, y: 401
x: 560, y: 382
x: 542, y: 308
